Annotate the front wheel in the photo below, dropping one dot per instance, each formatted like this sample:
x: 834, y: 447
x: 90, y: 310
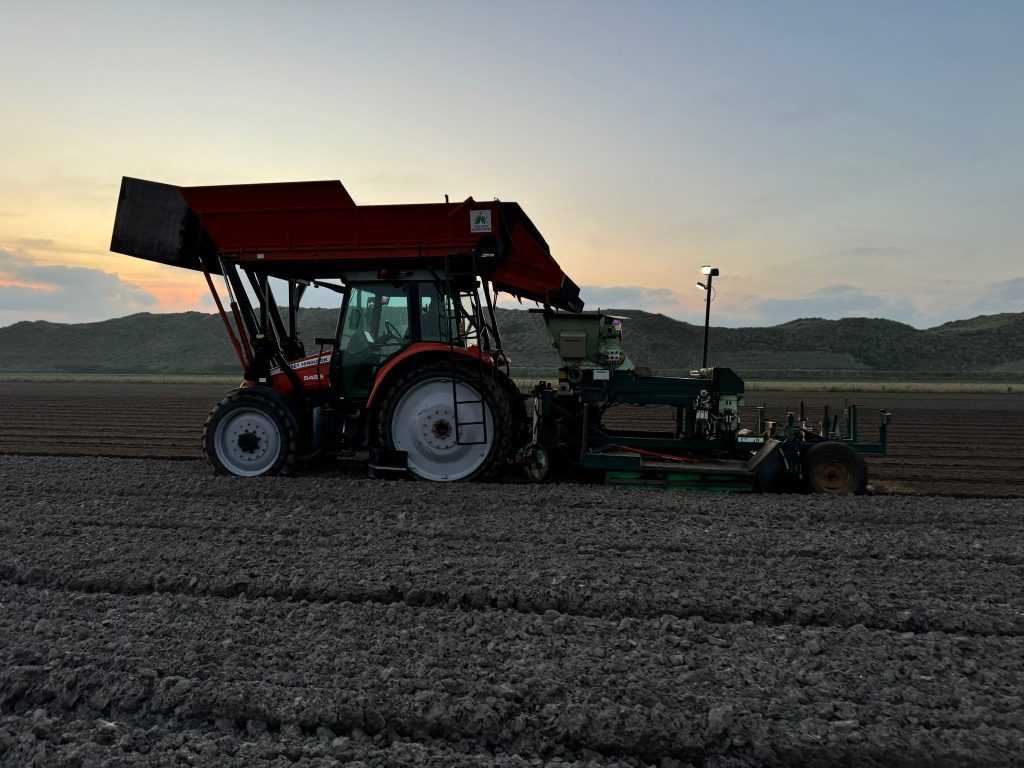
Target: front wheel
x: 249, y: 434
x: 834, y: 468
x: 452, y: 425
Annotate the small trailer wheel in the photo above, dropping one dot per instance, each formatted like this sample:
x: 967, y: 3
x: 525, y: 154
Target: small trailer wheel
x: 834, y: 468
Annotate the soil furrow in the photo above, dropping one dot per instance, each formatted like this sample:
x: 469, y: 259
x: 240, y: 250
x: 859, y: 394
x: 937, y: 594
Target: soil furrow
x: 609, y: 687
x: 152, y: 613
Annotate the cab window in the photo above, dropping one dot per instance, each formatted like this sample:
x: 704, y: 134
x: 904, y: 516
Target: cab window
x: 374, y: 327
x: 375, y: 314
x: 436, y: 317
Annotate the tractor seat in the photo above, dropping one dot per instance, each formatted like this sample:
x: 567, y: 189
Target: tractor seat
x: 360, y: 342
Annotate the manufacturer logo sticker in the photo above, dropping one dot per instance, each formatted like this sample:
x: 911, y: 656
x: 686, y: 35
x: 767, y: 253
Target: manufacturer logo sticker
x: 479, y: 221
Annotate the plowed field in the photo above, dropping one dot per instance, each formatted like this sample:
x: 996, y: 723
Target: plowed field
x: 949, y: 444
x: 153, y: 614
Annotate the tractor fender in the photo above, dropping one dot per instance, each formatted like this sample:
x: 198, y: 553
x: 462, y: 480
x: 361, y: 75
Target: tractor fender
x: 418, y: 354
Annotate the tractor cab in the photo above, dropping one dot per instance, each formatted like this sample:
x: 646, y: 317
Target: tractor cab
x: 382, y: 319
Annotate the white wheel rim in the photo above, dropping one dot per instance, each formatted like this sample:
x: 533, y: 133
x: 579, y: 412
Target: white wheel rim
x: 423, y: 425
x: 247, y: 442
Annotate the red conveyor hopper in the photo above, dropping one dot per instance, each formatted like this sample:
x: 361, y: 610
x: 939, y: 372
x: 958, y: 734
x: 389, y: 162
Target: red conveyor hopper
x: 314, y: 230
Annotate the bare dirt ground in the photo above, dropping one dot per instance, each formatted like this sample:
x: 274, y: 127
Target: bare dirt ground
x: 948, y: 444
x: 153, y: 614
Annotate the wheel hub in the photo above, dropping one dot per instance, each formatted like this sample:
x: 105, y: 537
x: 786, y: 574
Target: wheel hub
x: 435, y: 428
x: 442, y: 428
x: 248, y: 442
x: 833, y: 476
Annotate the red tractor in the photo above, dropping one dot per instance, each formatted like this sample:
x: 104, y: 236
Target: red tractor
x: 415, y: 370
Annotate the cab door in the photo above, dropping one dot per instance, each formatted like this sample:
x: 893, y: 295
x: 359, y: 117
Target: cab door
x: 374, y: 327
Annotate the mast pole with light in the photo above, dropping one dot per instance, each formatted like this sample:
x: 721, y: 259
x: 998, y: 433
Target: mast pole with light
x: 710, y: 272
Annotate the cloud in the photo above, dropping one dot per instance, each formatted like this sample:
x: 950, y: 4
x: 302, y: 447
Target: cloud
x: 928, y: 302
x: 924, y: 304
x: 659, y: 300
x: 869, y: 251
x: 662, y: 300
x: 37, y: 244
x: 830, y: 302
x: 32, y: 291
x: 1004, y: 296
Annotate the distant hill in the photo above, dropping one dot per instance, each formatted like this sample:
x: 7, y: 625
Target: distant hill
x: 983, y: 348
x: 990, y: 347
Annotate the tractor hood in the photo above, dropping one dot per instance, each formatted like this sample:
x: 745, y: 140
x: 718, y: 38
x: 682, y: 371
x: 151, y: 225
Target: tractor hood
x: 314, y: 230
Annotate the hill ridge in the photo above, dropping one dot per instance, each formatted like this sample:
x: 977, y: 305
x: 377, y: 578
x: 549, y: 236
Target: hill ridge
x: 986, y: 347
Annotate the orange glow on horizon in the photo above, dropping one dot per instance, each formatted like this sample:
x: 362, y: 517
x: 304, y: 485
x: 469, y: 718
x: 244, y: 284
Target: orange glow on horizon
x: 177, y: 296
x: 6, y: 281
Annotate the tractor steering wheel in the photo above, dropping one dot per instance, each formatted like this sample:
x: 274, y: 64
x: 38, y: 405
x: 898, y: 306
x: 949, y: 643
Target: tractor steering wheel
x: 390, y: 332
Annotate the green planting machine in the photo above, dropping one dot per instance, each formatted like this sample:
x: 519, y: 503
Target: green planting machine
x: 698, y: 441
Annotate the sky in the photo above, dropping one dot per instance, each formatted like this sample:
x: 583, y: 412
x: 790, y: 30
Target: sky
x: 831, y: 159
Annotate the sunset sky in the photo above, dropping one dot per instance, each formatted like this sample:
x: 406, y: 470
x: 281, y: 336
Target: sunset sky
x: 831, y: 158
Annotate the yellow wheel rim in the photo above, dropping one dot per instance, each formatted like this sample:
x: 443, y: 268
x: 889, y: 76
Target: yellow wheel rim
x: 832, y: 476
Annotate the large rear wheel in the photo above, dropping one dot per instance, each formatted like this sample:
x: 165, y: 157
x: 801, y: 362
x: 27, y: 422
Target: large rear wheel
x: 250, y: 434
x: 835, y: 468
x: 418, y: 416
